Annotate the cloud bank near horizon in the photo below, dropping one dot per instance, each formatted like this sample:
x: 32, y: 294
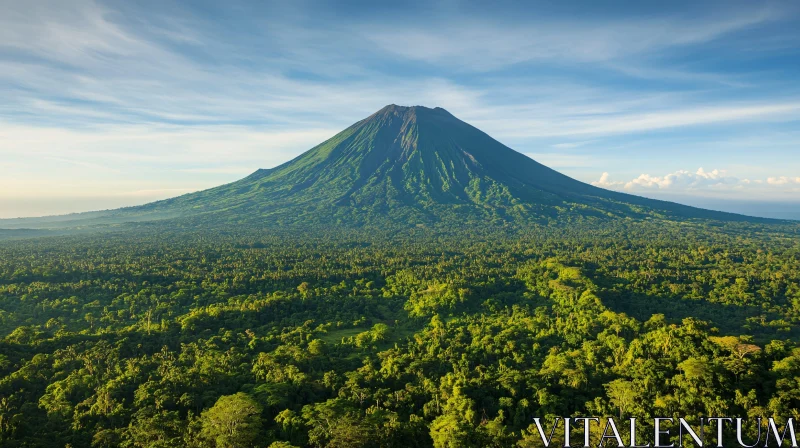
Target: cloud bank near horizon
x: 715, y: 181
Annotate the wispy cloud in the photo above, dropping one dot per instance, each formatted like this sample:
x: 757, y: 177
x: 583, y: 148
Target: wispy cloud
x: 174, y: 96
x: 619, y: 118
x: 157, y: 145
x: 218, y: 170
x: 165, y: 192
x: 562, y: 161
x: 483, y: 45
x: 571, y: 145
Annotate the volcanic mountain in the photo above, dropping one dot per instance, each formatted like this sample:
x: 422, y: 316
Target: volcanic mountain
x: 407, y: 166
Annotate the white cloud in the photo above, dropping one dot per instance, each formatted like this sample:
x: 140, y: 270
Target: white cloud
x: 783, y: 180
x: 700, y: 181
x: 606, y: 182
x: 684, y: 180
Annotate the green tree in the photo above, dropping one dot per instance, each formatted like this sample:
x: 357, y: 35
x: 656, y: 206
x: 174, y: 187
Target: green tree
x: 233, y: 422
x: 623, y: 394
x: 281, y: 445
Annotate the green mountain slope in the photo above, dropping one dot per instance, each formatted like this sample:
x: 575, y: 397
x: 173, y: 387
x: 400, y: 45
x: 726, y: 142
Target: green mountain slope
x: 406, y: 165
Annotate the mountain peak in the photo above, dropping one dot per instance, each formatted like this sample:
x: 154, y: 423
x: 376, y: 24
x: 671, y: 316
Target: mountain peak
x: 413, y: 110
x: 397, y: 108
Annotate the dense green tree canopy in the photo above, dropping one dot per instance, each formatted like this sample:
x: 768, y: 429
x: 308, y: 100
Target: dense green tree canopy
x: 163, y: 337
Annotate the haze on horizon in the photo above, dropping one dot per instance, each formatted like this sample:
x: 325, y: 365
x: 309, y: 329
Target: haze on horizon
x: 111, y: 103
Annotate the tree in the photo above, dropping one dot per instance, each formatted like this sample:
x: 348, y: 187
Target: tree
x: 623, y: 394
x: 290, y: 426
x: 303, y: 288
x: 380, y: 332
x: 152, y: 429
x: 337, y: 424
x: 316, y: 347
x: 454, y: 428
x: 450, y: 431
x: 233, y: 422
x: 736, y: 346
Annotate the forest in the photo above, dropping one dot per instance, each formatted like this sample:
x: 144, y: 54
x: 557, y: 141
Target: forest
x: 243, y: 337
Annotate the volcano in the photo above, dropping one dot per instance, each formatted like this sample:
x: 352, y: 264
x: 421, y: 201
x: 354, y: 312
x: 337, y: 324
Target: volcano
x: 407, y: 166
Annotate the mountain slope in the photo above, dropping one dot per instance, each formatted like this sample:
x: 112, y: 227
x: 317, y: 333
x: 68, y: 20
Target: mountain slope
x: 408, y: 165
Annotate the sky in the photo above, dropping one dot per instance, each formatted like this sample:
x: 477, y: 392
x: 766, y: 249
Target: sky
x: 113, y: 103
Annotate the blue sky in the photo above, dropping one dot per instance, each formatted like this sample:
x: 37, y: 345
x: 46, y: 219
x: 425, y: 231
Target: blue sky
x: 110, y: 103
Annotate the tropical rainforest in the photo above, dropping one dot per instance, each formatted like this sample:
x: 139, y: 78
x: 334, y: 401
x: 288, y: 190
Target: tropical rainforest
x: 410, y: 282
x: 165, y: 338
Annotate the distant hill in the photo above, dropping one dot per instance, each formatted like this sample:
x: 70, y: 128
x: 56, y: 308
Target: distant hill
x: 402, y: 165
